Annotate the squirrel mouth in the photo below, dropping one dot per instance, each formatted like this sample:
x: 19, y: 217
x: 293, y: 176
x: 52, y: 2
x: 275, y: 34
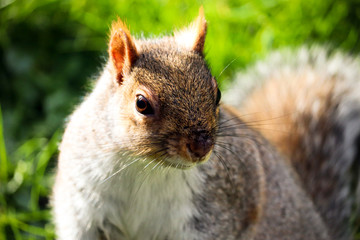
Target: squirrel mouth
x: 181, y: 153
x: 180, y: 162
x: 175, y: 161
x: 179, y: 165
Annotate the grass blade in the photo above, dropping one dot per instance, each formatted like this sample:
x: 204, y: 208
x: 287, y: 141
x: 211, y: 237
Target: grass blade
x: 3, y: 154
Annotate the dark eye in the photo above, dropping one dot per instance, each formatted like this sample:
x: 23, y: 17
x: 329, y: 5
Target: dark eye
x: 218, y: 96
x: 143, y: 106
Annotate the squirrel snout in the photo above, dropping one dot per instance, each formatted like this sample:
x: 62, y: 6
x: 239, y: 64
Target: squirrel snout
x: 200, y: 145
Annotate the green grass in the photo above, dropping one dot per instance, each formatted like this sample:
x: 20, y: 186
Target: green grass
x: 25, y: 184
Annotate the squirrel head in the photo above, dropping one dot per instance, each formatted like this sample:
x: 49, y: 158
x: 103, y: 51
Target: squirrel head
x: 167, y: 101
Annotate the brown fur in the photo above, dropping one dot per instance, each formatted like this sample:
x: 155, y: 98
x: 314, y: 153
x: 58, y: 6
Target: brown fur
x: 274, y: 108
x: 122, y: 50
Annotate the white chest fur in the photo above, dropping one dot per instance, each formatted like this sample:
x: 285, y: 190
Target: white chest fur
x: 149, y: 202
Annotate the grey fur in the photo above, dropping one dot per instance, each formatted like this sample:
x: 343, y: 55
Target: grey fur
x: 327, y: 155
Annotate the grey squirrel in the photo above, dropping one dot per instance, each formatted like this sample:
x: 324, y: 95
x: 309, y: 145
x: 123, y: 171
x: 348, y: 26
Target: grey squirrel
x: 152, y: 153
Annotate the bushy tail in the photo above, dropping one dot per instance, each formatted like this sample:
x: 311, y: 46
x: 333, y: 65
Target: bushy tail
x: 307, y: 103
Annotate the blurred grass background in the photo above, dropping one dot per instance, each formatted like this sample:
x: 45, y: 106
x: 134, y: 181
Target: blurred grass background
x: 51, y: 49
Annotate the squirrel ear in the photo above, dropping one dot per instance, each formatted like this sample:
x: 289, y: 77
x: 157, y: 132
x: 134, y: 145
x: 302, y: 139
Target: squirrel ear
x: 193, y: 37
x: 122, y: 50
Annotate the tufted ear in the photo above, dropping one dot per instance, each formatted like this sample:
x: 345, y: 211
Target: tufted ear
x: 122, y: 50
x: 193, y: 37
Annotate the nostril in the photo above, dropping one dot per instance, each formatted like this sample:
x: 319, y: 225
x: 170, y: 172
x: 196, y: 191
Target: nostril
x: 200, y: 147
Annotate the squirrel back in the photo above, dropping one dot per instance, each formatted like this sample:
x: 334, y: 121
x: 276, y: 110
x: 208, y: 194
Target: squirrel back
x: 306, y: 102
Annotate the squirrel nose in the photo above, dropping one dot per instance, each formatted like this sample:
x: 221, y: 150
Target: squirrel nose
x: 201, y: 145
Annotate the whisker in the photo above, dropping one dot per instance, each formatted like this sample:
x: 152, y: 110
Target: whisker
x: 252, y: 124
x: 156, y: 165
x: 235, y: 155
x: 154, y: 160
x: 251, y: 141
x: 227, y: 120
x: 243, y: 121
x: 284, y: 131
x: 118, y: 171
x: 223, y: 162
x: 239, y: 136
x: 227, y: 66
